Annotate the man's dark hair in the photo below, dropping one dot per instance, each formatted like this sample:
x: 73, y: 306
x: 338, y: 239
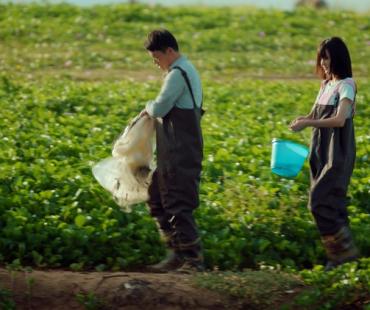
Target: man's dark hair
x: 340, y: 61
x: 160, y: 40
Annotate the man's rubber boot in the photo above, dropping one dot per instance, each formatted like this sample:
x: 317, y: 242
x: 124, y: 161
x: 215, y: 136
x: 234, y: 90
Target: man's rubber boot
x: 192, y: 256
x: 171, y: 262
x: 191, y: 266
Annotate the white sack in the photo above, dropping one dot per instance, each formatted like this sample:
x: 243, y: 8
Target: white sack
x: 127, y: 175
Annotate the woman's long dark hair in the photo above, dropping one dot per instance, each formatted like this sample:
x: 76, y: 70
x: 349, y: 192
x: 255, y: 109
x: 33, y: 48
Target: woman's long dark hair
x: 340, y: 64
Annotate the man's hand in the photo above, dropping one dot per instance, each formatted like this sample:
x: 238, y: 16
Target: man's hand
x: 143, y: 113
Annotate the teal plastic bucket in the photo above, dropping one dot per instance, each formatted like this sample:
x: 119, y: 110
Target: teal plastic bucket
x: 287, y: 157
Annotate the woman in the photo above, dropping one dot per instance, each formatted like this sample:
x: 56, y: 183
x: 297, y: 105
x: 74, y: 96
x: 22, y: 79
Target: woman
x: 333, y: 150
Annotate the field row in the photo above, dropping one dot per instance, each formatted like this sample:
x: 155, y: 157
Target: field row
x: 53, y: 212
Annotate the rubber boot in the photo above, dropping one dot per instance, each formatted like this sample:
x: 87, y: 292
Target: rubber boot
x: 340, y: 248
x: 173, y: 259
x: 171, y: 262
x: 193, y: 258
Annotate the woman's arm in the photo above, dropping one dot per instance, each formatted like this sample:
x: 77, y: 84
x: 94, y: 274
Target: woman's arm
x: 308, y: 116
x: 336, y: 121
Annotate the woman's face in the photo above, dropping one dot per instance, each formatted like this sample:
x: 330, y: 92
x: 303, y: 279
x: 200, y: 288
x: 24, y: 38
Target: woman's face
x: 325, y: 63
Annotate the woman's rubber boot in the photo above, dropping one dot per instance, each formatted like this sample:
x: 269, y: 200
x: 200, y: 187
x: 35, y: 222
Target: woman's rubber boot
x: 340, y: 248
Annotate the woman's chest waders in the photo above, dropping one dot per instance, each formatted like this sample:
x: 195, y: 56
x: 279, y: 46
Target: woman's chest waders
x: 332, y: 160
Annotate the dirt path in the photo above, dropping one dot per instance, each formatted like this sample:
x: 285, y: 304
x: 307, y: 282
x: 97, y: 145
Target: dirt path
x: 67, y: 290
x: 57, y: 290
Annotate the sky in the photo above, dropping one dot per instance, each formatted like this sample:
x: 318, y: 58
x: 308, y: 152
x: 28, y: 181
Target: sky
x: 354, y: 5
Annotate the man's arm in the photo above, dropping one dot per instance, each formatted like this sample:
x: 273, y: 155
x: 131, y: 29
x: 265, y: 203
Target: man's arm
x: 171, y: 90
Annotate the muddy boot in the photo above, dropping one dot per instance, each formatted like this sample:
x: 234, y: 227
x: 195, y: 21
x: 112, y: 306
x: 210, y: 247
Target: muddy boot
x: 171, y: 262
x: 173, y: 259
x: 192, y: 257
x: 191, y: 266
x: 339, y: 248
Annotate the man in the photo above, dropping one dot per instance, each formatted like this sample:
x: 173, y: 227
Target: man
x: 174, y: 191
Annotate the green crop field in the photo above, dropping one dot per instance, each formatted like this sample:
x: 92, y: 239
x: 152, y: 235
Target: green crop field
x: 72, y: 78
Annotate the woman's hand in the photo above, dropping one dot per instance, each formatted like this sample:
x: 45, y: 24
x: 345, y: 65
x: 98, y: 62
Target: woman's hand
x: 299, y: 124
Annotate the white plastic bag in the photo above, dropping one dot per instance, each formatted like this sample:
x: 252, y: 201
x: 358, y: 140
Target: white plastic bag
x: 127, y: 175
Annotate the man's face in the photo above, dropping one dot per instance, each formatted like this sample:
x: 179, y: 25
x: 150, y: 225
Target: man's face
x: 161, y: 59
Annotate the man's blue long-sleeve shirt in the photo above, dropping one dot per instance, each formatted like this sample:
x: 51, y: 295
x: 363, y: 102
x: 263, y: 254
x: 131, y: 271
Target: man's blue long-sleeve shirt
x: 174, y: 91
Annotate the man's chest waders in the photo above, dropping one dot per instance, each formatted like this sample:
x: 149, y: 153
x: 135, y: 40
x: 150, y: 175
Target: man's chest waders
x: 174, y: 192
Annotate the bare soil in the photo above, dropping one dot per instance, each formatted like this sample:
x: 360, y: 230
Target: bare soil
x: 59, y: 290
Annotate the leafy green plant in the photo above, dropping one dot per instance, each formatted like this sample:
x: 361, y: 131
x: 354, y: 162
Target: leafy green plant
x: 53, y: 213
x: 90, y: 301
x: 6, y: 300
x: 346, y: 286
x: 63, y: 39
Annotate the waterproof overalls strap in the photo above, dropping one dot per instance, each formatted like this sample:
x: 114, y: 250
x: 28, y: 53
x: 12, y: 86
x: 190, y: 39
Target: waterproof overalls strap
x: 185, y: 76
